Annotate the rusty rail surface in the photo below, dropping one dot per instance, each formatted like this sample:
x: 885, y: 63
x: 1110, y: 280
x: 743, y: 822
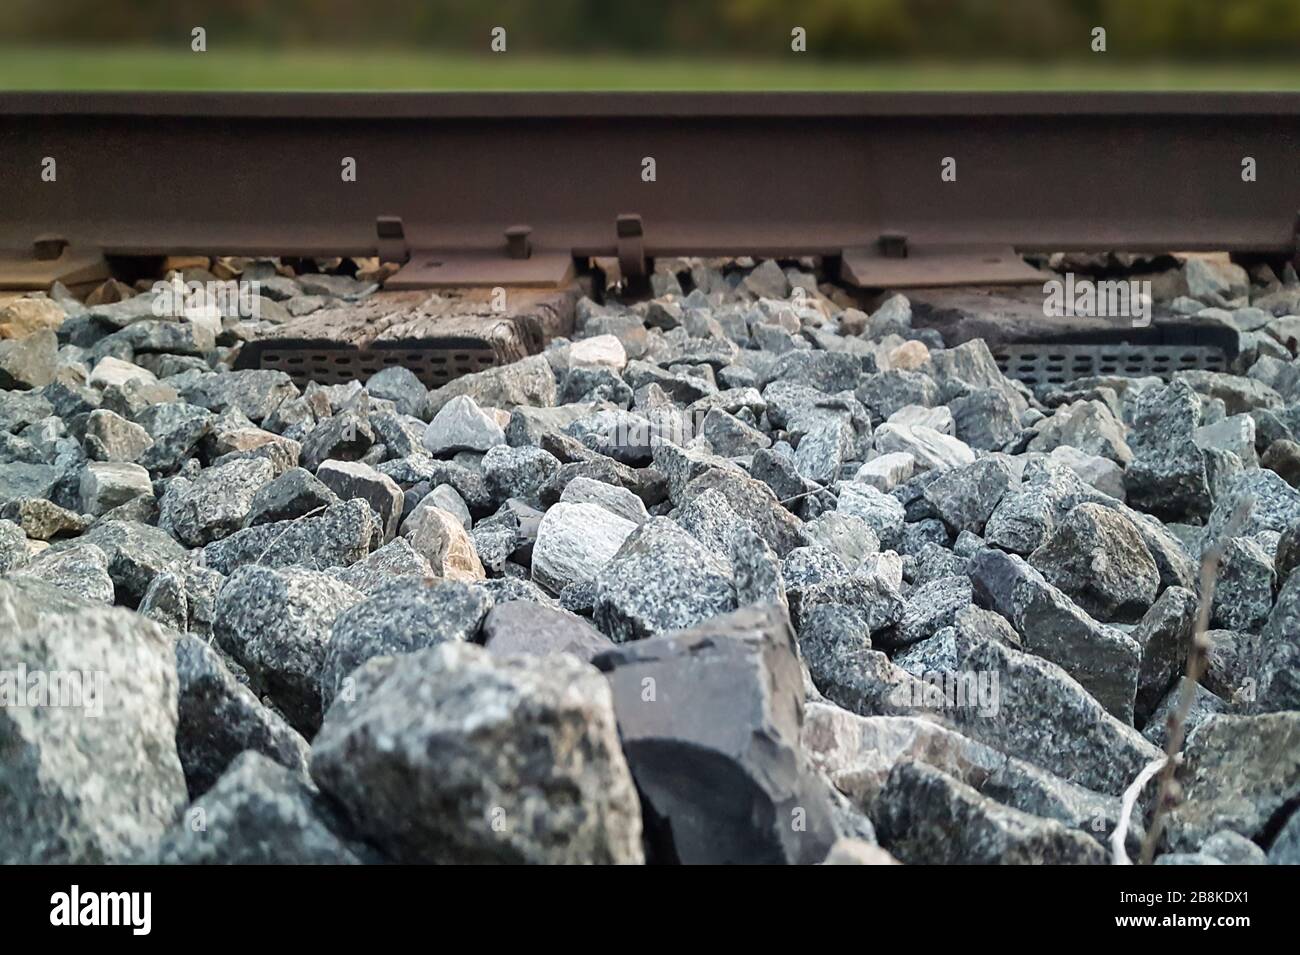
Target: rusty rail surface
x: 443, y: 177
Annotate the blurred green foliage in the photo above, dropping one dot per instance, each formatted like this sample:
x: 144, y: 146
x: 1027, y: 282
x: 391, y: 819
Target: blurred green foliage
x: 986, y: 29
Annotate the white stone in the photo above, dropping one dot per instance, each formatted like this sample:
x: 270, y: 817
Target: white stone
x: 940, y: 418
x: 932, y: 450
x: 887, y: 471
x: 106, y: 484
x: 1102, y: 473
x: 604, y: 351
x: 574, y: 542
x: 114, y: 371
x: 461, y: 425
x: 616, y: 500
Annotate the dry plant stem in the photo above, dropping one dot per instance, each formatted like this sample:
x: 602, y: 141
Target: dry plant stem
x: 1119, y: 837
x: 1197, y: 659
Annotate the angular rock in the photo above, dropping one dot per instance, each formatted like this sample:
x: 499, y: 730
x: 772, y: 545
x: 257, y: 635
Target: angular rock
x: 276, y: 624
x: 528, y: 382
x: 215, y: 504
x: 460, y: 425
x: 105, y: 485
x: 1104, y: 660
x: 1046, y: 718
x: 1165, y: 636
x: 927, y: 817
x: 1243, y: 590
x: 1240, y: 773
x: 714, y: 744
x: 110, y: 437
x: 339, y: 536
x: 660, y: 579
x: 453, y: 755
x: 574, y: 542
x: 43, y: 520
x: 965, y: 497
x: 395, y: 559
x: 523, y: 627
x: 1097, y: 557
x: 259, y: 813
x: 1204, y: 705
x: 441, y: 538
x: 352, y: 479
x: 136, y: 554
x: 80, y: 569
x: 403, y: 616
x: 219, y: 718
x: 402, y: 387
x: 118, y: 743
x: 930, y: 449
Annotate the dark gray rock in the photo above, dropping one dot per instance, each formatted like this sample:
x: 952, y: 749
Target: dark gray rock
x: 517, y: 472
x: 294, y: 493
x: 176, y: 430
x: 219, y: 718
x: 276, y: 624
x: 1285, y: 849
x: 1262, y: 499
x: 858, y: 754
x: 965, y: 497
x: 259, y: 813
x: 339, y: 536
x: 455, y: 755
x: 661, y: 579
x: 255, y: 392
x: 215, y: 504
x: 924, y: 816
x: 985, y: 418
x: 754, y: 503
x: 1240, y: 773
x: 1243, y: 590
x: 1165, y: 636
x: 346, y: 436
x: 136, y: 554
x: 1279, y: 653
x: 19, y: 481
x: 352, y: 479
x: 927, y: 609
x: 395, y: 559
x: 402, y: 387
x: 523, y: 627
x: 885, y: 392
x: 1046, y: 718
x: 1167, y: 476
x: 1104, y: 660
x: 1098, y: 558
x: 405, y: 615
x: 714, y: 743
x: 1204, y: 705
x: 528, y: 382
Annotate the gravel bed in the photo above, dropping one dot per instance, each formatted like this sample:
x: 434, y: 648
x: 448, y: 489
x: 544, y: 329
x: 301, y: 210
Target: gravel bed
x: 742, y: 573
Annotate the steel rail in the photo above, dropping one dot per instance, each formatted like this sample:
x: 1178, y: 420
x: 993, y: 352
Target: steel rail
x: 752, y: 174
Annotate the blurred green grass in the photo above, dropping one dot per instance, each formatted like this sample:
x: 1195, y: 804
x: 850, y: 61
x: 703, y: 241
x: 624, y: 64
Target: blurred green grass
x: 253, y: 69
